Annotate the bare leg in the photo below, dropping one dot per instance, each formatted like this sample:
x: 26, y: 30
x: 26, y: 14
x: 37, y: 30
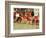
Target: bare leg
x: 30, y: 22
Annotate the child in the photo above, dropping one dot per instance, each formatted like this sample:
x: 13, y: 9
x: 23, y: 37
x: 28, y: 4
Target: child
x: 29, y: 17
x: 36, y: 16
x: 24, y: 17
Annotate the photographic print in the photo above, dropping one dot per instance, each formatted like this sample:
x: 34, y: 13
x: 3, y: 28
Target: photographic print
x: 24, y: 19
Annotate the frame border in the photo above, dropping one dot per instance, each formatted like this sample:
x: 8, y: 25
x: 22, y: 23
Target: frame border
x: 7, y: 21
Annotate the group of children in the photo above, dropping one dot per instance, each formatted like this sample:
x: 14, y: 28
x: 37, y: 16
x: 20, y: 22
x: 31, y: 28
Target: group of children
x: 26, y: 17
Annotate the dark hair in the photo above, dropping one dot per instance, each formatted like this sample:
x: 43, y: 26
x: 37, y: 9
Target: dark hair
x: 32, y: 13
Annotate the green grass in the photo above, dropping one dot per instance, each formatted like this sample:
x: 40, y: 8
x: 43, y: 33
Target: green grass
x: 25, y: 26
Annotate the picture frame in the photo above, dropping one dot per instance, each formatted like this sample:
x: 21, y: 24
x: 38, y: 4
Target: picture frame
x: 8, y: 24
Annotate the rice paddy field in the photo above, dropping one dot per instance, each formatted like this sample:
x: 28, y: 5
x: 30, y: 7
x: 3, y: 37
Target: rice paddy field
x: 25, y: 26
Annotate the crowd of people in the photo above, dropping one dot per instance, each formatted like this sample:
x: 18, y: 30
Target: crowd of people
x: 25, y: 15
